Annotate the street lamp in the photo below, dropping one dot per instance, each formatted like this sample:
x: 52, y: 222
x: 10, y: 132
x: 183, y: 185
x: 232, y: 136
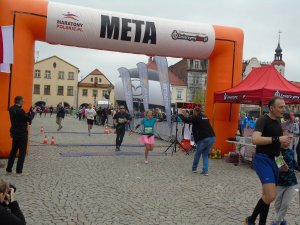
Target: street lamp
x: 110, y: 86
x: 95, y: 96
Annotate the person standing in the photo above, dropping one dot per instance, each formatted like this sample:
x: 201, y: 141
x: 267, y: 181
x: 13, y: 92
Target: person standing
x: 269, y: 139
x: 147, y: 137
x: 204, y: 137
x: 120, y: 120
x: 51, y: 110
x: 19, y: 133
x: 287, y: 182
x: 60, y: 115
x: 90, y: 116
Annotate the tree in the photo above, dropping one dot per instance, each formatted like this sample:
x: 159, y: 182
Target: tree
x: 200, y: 98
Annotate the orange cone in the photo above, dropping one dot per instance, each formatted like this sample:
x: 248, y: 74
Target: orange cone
x: 106, y: 131
x: 45, y: 140
x: 42, y: 130
x: 52, y: 141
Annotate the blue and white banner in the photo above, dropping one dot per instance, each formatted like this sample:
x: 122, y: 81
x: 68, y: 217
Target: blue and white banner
x: 143, y: 74
x: 124, y: 74
x: 163, y: 71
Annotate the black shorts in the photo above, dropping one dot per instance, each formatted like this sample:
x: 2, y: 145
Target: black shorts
x: 90, y: 122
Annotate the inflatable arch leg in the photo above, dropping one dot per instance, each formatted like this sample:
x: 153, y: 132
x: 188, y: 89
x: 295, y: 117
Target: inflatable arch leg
x: 30, y: 17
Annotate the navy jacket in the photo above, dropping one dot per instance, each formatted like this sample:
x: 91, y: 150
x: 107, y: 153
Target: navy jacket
x: 288, y: 178
x: 19, y: 121
x: 61, y: 112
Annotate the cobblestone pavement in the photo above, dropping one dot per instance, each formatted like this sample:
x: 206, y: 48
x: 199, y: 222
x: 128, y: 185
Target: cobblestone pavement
x: 123, y: 190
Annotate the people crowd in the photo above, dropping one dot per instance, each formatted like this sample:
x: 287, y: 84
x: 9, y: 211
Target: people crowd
x: 275, y: 135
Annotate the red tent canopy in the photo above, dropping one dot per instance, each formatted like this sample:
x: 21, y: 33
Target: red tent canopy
x: 259, y: 87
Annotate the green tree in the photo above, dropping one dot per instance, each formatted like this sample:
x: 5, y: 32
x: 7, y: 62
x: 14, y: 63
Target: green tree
x: 200, y: 98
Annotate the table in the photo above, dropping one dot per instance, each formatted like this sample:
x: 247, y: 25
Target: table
x: 239, y: 145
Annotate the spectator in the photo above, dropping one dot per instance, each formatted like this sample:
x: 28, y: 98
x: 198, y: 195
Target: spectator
x: 19, y: 133
x: 10, y: 212
x: 60, y: 116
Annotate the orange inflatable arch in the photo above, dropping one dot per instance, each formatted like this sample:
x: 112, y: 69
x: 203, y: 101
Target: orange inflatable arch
x: 30, y: 21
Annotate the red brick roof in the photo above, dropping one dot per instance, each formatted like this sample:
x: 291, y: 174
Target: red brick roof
x: 96, y: 72
x: 93, y: 85
x: 173, y: 79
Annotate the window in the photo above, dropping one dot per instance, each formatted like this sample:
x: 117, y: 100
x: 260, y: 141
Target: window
x: 197, y: 64
x: 92, y: 79
x: 100, y: 80
x: 37, y: 74
x: 60, y: 90
x: 71, y: 76
x: 70, y: 91
x: 96, y: 80
x: 48, y: 74
x: 36, y: 89
x: 61, y: 75
x: 46, y: 89
x: 95, y: 93
x: 84, y: 92
x: 179, y: 94
x: 104, y: 93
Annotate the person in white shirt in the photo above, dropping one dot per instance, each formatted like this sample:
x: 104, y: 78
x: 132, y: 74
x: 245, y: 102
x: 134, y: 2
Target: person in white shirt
x: 90, y: 114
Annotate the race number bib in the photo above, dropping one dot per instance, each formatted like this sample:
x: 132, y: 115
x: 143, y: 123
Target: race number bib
x: 279, y: 161
x: 148, y: 130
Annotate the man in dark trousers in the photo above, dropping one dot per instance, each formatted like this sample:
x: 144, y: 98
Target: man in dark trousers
x: 120, y: 120
x: 60, y: 115
x: 270, y: 141
x: 19, y: 133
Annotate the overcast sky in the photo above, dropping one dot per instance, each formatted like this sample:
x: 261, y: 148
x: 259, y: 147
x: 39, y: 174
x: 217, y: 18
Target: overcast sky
x: 260, y: 19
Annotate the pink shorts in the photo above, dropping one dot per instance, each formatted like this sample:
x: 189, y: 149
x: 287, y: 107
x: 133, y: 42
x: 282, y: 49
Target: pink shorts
x: 145, y: 139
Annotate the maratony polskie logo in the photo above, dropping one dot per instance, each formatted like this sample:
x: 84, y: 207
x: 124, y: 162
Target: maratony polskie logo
x: 70, y: 22
x: 181, y: 35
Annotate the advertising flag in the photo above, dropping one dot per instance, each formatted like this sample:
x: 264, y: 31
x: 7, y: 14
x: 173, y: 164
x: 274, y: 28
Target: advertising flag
x: 143, y: 74
x: 124, y: 74
x: 163, y: 71
x: 6, y: 48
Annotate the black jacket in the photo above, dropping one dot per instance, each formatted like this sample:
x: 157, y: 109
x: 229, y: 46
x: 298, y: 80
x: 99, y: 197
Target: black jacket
x: 11, y: 214
x: 201, y: 127
x: 19, y: 121
x: 61, y: 112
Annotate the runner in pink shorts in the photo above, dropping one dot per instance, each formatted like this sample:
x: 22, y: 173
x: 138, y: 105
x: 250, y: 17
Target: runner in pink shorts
x: 147, y: 137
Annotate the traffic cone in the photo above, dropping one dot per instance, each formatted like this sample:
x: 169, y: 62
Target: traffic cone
x: 106, y: 131
x: 42, y: 130
x: 45, y: 140
x: 52, y: 141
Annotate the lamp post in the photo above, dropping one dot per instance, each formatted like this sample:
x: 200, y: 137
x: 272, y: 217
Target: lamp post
x: 109, y: 91
x: 95, y: 96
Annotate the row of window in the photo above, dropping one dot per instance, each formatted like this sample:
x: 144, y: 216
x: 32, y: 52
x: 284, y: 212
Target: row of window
x: 47, y: 90
x: 47, y: 75
x: 60, y: 91
x: 96, y: 80
x: 95, y: 93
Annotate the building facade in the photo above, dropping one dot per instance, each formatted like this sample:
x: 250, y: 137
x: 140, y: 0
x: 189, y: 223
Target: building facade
x: 94, y: 88
x: 194, y: 73
x: 55, y: 81
x: 178, y: 86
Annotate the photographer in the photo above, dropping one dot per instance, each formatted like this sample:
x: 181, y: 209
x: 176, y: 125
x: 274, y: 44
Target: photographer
x: 19, y: 133
x: 10, y: 212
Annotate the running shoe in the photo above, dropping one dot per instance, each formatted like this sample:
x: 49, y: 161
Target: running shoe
x: 248, y: 222
x: 284, y: 222
x: 204, y: 173
x: 273, y: 223
x: 146, y: 162
x: 195, y: 171
x: 117, y: 149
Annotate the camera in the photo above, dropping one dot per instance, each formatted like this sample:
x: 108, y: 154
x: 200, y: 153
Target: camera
x: 9, y: 190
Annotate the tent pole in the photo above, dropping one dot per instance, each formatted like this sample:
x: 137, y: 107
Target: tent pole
x: 261, y: 109
x: 213, y: 116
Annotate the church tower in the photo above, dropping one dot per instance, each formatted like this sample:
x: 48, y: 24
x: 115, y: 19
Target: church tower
x: 278, y: 62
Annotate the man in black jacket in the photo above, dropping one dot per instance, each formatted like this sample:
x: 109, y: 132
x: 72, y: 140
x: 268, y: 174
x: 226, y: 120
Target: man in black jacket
x: 19, y: 133
x: 10, y: 212
x: 60, y: 115
x: 204, y: 137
